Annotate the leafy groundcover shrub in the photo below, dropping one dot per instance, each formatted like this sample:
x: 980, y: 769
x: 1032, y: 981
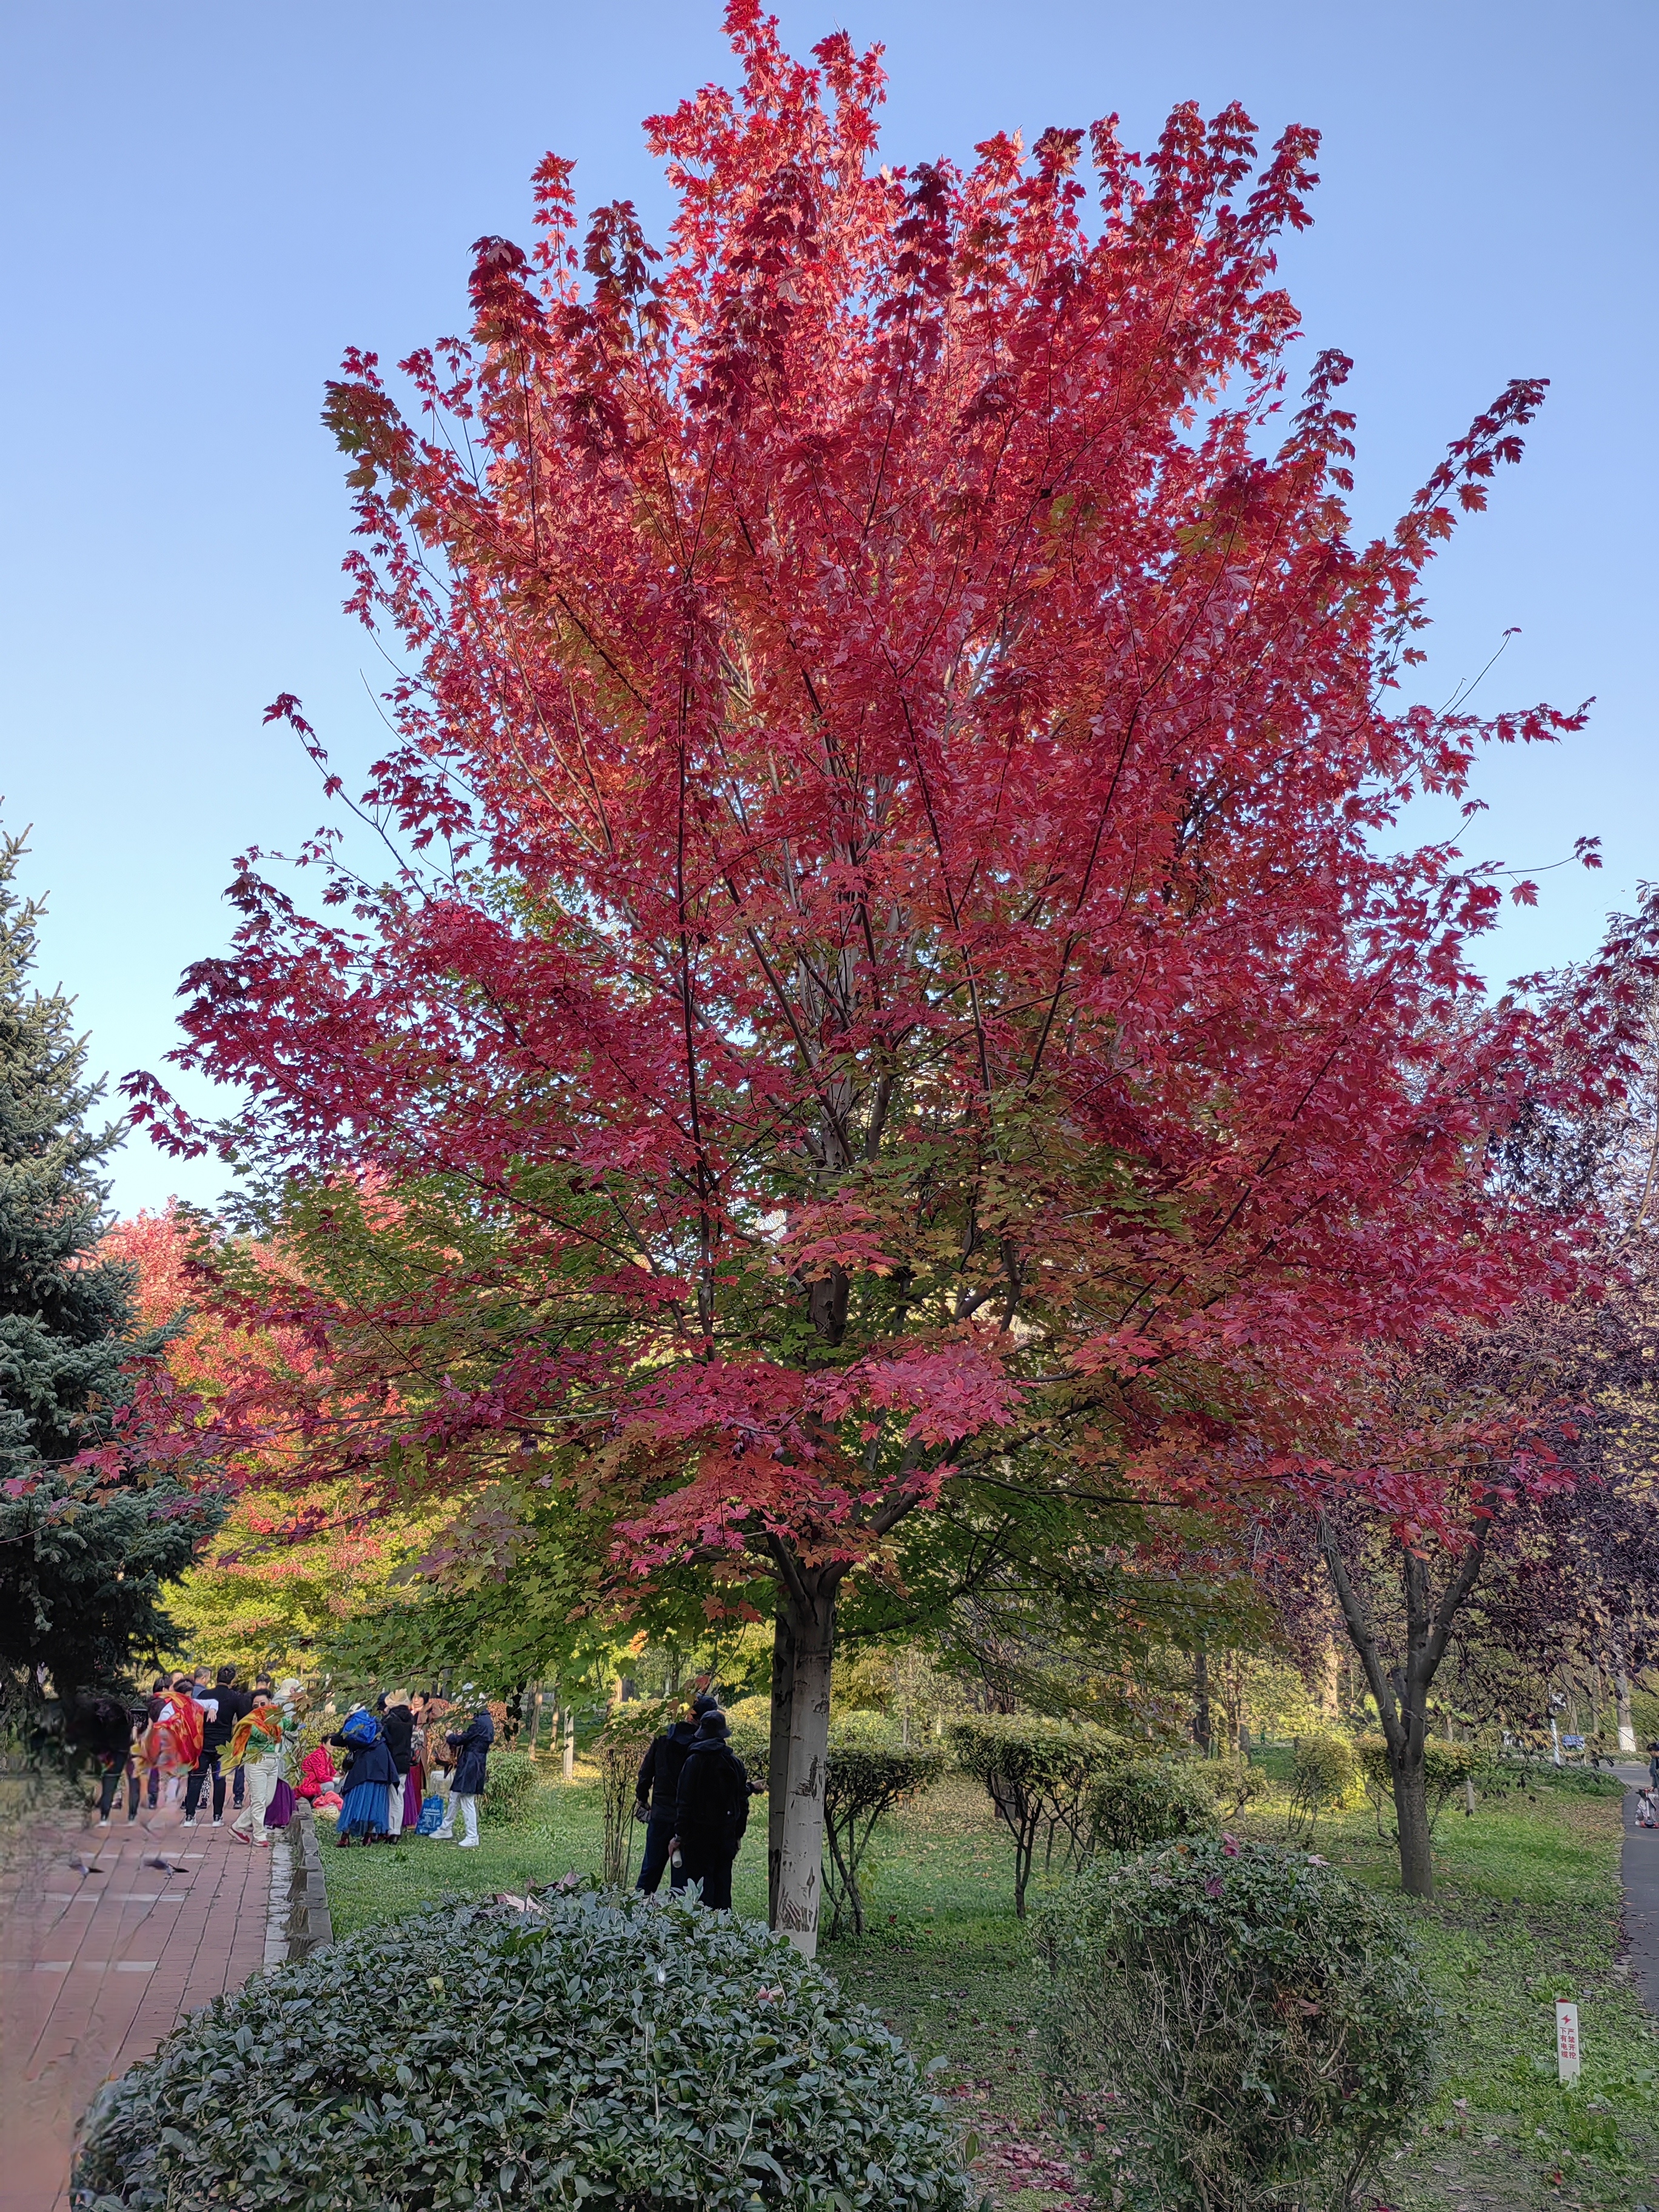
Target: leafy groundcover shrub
x: 596, y: 2049
x: 1247, y: 2023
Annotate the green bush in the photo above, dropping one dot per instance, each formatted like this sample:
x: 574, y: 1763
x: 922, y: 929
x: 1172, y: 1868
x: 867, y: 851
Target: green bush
x: 750, y: 1720
x: 605, y: 2049
x: 870, y: 1772
x: 1256, y: 2014
x: 511, y: 1782
x: 1232, y: 1783
x: 1037, y: 1773
x: 1447, y: 1768
x: 1144, y: 1802
x: 1324, y: 1774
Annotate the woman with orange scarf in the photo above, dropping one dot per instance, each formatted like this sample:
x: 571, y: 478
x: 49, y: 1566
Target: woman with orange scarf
x: 173, y: 1741
x: 257, y: 1747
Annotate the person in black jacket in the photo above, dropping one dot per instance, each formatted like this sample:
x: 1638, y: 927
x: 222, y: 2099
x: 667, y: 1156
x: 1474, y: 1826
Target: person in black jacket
x: 397, y: 1724
x: 711, y: 1812
x: 657, y: 1790
x: 102, y: 1723
x: 219, y: 1726
x: 471, y: 1749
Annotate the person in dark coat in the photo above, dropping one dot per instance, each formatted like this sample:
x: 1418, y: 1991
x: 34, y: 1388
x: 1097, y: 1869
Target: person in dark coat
x: 398, y: 1726
x: 657, y: 1791
x: 228, y: 1704
x: 364, y: 1783
x: 711, y: 1812
x: 471, y: 1749
x: 102, y: 1724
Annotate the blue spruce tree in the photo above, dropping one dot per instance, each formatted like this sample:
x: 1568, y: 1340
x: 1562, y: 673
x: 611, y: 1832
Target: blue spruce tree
x: 83, y: 1561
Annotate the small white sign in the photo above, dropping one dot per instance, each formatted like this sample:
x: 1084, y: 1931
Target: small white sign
x: 1566, y: 2039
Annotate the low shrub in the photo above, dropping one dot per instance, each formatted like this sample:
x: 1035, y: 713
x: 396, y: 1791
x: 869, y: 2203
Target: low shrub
x: 870, y: 1772
x: 1448, y: 1768
x: 1037, y: 1773
x: 617, y: 1751
x: 751, y: 1722
x: 1324, y: 1775
x: 511, y: 1783
x: 1144, y: 1802
x: 597, y: 2048
x: 1232, y: 1783
x: 1257, y: 2016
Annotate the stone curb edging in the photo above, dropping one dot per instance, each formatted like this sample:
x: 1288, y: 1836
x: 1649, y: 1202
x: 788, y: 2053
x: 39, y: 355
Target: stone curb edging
x: 297, y: 1920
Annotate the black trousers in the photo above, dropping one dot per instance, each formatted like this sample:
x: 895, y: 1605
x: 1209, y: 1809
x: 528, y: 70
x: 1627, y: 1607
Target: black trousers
x: 658, y: 1834
x: 711, y: 1865
x: 110, y: 1788
x: 207, y: 1764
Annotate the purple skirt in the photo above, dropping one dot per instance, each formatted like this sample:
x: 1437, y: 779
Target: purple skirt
x: 412, y: 1798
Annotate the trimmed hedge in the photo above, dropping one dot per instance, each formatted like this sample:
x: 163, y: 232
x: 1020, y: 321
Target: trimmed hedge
x: 1037, y: 1773
x: 1148, y: 1800
x: 511, y: 1782
x: 593, y: 2049
x: 1245, y: 2023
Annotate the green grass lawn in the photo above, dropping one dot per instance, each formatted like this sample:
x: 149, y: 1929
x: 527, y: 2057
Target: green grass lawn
x: 1526, y: 1910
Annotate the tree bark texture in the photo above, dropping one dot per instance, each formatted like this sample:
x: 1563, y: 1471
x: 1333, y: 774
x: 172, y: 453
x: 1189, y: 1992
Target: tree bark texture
x: 1401, y: 1691
x: 777, y: 1761
x: 1626, y: 1724
x: 811, y: 1622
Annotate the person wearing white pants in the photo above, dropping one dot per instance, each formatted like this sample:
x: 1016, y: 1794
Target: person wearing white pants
x: 263, y: 1776
x: 472, y: 1750
x: 468, y: 1809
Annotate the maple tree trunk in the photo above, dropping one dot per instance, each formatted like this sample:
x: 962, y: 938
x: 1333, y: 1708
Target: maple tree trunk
x: 777, y: 1769
x: 1411, y: 1807
x: 1201, y: 1698
x: 811, y: 1602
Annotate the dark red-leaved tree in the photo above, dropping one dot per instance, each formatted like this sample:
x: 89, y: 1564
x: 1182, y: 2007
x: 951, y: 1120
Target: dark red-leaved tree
x: 895, y: 938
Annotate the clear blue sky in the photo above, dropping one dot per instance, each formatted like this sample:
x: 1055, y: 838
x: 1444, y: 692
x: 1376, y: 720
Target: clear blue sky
x: 204, y: 205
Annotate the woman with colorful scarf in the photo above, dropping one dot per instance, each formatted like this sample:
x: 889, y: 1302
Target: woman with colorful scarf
x: 173, y: 1741
x: 256, y: 1746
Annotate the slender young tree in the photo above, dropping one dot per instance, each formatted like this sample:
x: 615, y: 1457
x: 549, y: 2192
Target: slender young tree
x: 893, y: 927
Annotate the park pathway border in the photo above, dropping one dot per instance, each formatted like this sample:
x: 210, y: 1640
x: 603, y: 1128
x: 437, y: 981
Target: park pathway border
x: 1638, y: 1876
x: 105, y: 1951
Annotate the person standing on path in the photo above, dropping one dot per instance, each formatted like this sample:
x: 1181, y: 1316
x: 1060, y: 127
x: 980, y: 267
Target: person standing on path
x: 398, y: 1726
x: 656, y: 1793
x: 711, y: 1812
x: 471, y: 1749
x: 256, y: 1747
x: 231, y: 1704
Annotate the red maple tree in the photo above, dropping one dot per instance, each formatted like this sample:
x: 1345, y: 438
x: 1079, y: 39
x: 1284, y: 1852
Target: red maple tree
x: 892, y: 929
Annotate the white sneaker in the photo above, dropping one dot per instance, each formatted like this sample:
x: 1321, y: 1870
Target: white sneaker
x: 190, y: 1820
x: 218, y: 1824
x: 467, y: 1844
x: 103, y: 1821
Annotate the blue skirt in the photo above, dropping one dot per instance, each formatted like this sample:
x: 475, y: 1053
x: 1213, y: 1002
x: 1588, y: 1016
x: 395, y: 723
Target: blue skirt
x: 363, y: 1812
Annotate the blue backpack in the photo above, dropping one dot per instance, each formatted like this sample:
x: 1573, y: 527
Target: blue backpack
x: 360, y: 1729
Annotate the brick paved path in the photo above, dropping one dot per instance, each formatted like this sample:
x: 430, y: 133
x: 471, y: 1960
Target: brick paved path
x: 98, y: 1966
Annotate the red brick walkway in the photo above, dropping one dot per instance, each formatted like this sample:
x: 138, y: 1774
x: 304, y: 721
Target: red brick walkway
x: 97, y: 1967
